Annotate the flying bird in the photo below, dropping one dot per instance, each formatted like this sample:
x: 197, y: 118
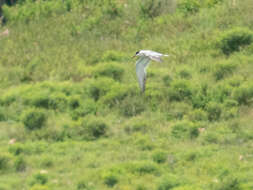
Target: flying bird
x: 143, y: 62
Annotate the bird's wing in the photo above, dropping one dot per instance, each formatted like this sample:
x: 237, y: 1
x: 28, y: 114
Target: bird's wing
x: 155, y: 56
x: 141, y: 66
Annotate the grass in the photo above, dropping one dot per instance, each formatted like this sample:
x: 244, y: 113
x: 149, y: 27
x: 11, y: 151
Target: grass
x: 70, y: 98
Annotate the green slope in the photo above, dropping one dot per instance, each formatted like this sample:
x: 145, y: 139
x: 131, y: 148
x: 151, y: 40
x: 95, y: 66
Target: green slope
x: 70, y: 98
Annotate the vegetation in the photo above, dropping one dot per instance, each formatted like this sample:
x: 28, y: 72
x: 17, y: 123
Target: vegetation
x: 71, y: 112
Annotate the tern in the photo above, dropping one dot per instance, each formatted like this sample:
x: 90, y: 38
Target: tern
x: 143, y: 62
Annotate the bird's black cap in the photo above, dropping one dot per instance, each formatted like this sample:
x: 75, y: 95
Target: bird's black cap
x: 137, y: 52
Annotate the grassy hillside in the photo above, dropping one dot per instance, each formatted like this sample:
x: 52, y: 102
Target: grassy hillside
x: 71, y: 113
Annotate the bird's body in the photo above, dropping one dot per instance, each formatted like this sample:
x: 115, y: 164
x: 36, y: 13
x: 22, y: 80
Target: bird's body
x: 142, y: 64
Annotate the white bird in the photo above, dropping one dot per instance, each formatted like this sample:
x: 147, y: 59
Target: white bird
x: 143, y: 62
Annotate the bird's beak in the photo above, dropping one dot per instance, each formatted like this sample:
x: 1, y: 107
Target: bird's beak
x: 134, y: 56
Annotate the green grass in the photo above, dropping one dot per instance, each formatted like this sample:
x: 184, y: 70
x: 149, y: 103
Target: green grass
x: 70, y: 98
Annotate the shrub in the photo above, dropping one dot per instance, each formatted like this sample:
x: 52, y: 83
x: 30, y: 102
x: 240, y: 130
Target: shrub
x: 144, y: 143
x: 144, y: 167
x: 189, y: 6
x: 98, y: 88
x: 39, y: 178
x: 97, y: 128
x: 20, y: 164
x: 211, y: 3
x: 4, y: 162
x: 185, y: 129
x: 230, y: 103
x: 2, y: 115
x: 34, y: 119
x: 151, y: 8
x: 141, y: 187
x: 167, y: 80
x: 110, y: 179
x: 131, y: 106
x: 83, y: 185
x: 112, y: 70
x: 177, y: 110
x: 201, y: 97
x: 92, y: 128
x: 40, y: 187
x: 74, y: 102
x: 211, y: 137
x: 87, y: 107
x: 58, y: 101
x: 198, y: 115
x: 155, y: 95
x: 232, y: 40
x: 38, y: 99
x: 220, y: 93
x: 169, y: 182
x: 16, y: 149
x: 224, y: 69
x: 186, y: 187
x: 243, y: 94
x: 30, y: 10
x: 185, y: 74
x: 116, y: 95
x: 180, y: 90
x: 46, y: 162
x: 191, y: 155
x: 136, y: 125
x: 229, y: 183
x: 159, y: 156
x: 231, y: 112
x: 111, y: 8
x: 112, y: 55
x: 213, y: 110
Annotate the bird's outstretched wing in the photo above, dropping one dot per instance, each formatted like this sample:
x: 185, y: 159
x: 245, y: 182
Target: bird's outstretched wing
x: 141, y: 66
x: 155, y: 56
